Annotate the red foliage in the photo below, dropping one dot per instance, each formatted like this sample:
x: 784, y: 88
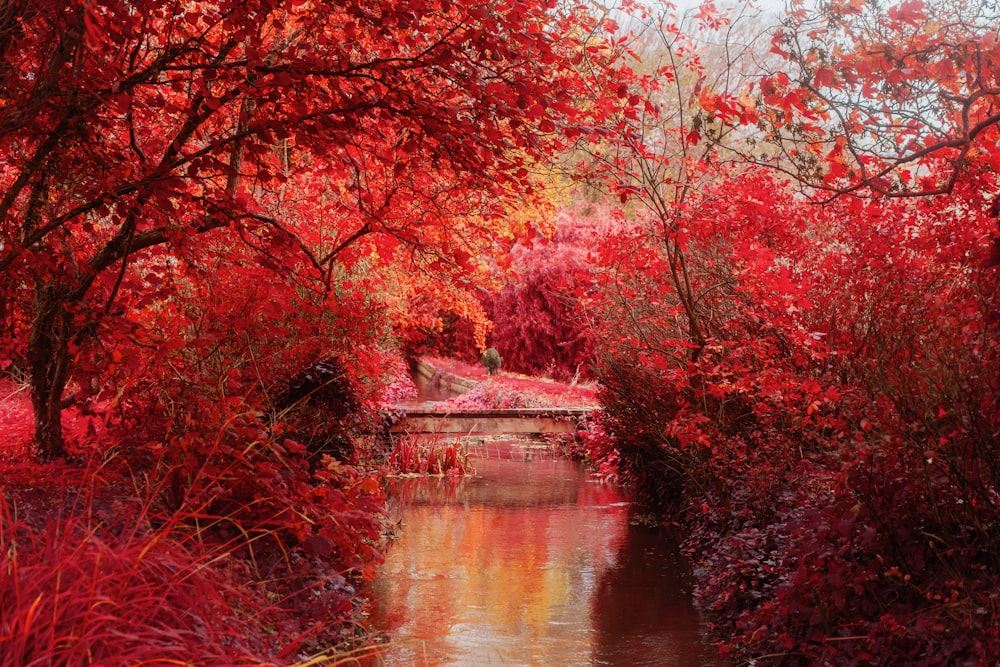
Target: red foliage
x: 453, y: 338
x: 75, y: 592
x: 535, y: 324
x: 15, y: 421
x: 429, y: 455
x: 142, y: 149
x: 236, y: 526
x: 133, y: 634
x: 831, y: 445
x: 198, y: 201
x: 916, y: 74
x: 599, y: 448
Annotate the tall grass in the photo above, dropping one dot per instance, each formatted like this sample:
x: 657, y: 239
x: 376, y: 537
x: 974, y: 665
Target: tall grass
x: 430, y: 454
x: 78, y: 592
x: 246, y: 562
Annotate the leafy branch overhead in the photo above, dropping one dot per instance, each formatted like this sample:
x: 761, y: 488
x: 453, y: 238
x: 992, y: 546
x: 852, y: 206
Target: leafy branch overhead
x: 313, y: 134
x: 901, y: 100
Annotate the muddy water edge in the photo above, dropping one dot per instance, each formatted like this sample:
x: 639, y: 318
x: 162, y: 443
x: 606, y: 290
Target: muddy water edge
x: 530, y: 562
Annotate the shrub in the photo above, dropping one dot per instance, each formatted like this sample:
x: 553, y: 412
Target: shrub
x: 535, y: 324
x: 830, y: 442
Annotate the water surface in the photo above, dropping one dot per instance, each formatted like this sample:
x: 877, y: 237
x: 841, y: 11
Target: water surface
x: 530, y: 562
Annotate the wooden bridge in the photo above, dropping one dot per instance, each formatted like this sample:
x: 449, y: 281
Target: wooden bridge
x: 490, y: 422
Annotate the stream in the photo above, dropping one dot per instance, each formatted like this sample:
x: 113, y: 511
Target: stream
x: 530, y: 562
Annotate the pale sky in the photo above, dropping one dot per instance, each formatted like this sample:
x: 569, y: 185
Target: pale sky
x: 773, y: 6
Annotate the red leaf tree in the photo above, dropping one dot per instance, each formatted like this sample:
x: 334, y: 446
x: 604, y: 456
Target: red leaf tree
x: 136, y: 140
x: 896, y: 100
x: 536, y: 326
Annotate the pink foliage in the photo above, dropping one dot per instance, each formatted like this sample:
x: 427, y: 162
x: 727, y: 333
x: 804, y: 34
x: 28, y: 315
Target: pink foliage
x: 535, y: 324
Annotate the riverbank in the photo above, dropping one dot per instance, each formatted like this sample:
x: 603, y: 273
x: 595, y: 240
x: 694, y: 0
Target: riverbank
x: 136, y: 556
x: 505, y: 389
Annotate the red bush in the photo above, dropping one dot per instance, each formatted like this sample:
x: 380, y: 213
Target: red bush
x: 830, y: 442
x: 536, y: 327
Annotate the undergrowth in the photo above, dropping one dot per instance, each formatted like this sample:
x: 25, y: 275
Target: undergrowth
x: 227, y: 550
x: 136, y: 590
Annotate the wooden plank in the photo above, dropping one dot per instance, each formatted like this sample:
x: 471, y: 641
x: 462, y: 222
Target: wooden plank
x: 465, y: 424
x: 515, y: 413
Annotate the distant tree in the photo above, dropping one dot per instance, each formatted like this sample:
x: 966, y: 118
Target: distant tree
x: 536, y: 323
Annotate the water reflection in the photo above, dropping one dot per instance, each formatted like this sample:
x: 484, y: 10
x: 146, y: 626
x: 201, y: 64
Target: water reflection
x: 642, y: 611
x: 530, y: 563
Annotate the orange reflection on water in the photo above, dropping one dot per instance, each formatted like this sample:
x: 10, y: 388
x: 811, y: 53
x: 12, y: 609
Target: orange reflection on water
x: 518, y: 566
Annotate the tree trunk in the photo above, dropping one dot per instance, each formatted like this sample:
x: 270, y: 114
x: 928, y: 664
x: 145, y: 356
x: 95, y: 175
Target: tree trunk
x: 48, y: 357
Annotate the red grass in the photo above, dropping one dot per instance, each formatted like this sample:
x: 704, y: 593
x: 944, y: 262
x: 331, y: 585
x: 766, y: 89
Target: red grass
x: 92, y: 574
x: 79, y: 593
x: 430, y: 455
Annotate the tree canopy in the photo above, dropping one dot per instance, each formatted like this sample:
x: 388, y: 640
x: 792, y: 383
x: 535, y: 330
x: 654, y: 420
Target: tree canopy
x: 137, y: 138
